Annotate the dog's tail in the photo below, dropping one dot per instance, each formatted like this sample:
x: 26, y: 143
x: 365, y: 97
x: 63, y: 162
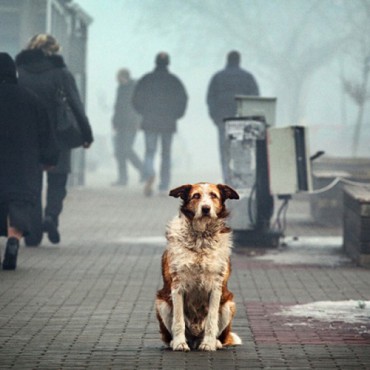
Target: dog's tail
x: 236, y: 339
x: 232, y: 339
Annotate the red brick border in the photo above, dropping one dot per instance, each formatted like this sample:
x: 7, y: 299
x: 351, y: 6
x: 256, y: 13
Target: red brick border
x: 280, y: 329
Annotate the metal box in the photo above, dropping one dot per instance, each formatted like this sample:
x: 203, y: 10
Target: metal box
x: 257, y: 106
x: 241, y: 138
x: 289, y: 160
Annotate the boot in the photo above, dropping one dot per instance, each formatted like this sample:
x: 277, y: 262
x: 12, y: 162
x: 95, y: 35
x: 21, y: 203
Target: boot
x: 148, y: 191
x: 51, y: 228
x: 11, y: 254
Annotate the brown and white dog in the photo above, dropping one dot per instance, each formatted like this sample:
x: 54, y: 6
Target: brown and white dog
x: 195, y: 308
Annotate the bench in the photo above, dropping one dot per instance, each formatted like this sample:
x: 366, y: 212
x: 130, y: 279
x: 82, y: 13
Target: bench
x: 327, y: 208
x: 356, y: 224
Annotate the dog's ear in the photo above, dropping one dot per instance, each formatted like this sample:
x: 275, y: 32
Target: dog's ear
x: 227, y: 192
x: 181, y: 191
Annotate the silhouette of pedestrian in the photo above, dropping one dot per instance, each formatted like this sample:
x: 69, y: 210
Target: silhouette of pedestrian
x: 26, y: 142
x: 161, y: 99
x: 223, y: 87
x: 125, y: 124
x: 42, y: 70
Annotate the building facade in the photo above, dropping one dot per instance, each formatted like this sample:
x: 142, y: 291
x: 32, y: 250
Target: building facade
x: 65, y: 20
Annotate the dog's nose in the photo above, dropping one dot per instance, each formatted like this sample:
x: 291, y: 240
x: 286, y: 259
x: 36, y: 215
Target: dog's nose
x: 206, y: 210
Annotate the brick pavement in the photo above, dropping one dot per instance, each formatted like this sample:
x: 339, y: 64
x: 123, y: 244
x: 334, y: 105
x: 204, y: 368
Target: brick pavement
x: 88, y: 303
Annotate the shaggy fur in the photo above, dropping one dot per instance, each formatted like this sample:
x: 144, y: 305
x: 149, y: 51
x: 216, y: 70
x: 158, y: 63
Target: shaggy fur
x: 195, y: 308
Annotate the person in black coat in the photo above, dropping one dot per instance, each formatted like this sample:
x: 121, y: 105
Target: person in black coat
x: 44, y: 72
x: 26, y: 143
x: 161, y: 99
x: 125, y: 125
x: 223, y: 87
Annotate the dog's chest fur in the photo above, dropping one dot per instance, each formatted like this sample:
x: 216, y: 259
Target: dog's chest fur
x: 198, y: 260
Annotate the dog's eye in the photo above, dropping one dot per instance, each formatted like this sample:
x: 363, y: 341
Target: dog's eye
x: 196, y: 196
x: 213, y: 195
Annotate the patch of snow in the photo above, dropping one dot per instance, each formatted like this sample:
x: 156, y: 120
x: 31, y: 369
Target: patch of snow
x: 297, y: 324
x: 342, y: 311
x: 322, y: 251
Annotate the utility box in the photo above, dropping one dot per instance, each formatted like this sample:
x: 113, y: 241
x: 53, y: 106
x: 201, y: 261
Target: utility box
x: 247, y: 167
x: 242, y: 136
x: 257, y: 106
x: 289, y: 160
x: 246, y: 147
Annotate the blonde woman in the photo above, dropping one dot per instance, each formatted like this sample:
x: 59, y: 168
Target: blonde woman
x: 42, y: 69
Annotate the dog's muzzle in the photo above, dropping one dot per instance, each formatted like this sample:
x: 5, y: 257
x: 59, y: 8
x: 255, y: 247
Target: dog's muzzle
x: 206, y: 210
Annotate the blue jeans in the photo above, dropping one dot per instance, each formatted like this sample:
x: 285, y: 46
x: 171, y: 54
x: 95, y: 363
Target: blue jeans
x: 124, y: 151
x: 151, y: 141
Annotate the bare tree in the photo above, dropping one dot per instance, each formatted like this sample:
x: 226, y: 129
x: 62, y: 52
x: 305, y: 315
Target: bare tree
x: 357, y: 51
x: 291, y: 40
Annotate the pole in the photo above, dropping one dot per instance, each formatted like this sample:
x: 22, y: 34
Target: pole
x: 49, y: 8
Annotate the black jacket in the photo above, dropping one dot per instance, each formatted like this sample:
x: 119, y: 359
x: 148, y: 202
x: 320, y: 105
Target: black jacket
x: 26, y: 141
x: 125, y: 116
x: 222, y: 89
x: 161, y: 99
x: 44, y: 75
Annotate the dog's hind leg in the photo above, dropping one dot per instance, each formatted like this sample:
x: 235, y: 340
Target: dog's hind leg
x: 164, y: 316
x: 225, y: 336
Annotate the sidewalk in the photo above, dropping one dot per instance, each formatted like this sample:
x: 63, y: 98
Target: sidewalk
x: 88, y: 303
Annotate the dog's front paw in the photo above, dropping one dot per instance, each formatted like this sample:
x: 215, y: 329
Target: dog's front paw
x: 179, y: 345
x: 208, y: 345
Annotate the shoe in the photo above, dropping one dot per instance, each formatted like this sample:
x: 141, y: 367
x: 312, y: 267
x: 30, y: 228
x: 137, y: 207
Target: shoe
x: 11, y: 254
x: 51, y: 228
x: 148, y: 190
x: 34, y: 238
x: 31, y: 241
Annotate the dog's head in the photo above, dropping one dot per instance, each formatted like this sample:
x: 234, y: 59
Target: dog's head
x: 204, y: 200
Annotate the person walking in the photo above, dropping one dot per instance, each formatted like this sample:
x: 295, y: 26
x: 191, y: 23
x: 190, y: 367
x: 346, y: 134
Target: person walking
x: 161, y: 99
x: 42, y: 70
x: 222, y: 89
x: 26, y: 143
x: 125, y: 125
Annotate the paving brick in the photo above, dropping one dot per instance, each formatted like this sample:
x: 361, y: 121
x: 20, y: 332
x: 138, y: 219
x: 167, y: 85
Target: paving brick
x: 88, y: 303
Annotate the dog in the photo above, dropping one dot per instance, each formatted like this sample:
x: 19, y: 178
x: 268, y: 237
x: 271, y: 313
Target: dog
x: 195, y: 308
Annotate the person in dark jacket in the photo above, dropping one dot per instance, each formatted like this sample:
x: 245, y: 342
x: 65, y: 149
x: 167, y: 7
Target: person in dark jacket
x: 161, y: 99
x: 26, y: 143
x: 125, y: 125
x: 44, y: 72
x: 223, y: 87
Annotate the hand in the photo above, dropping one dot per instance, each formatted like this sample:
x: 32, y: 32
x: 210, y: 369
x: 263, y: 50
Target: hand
x: 86, y: 145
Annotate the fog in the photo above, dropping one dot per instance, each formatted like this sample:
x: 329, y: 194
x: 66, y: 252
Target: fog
x: 298, y: 51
